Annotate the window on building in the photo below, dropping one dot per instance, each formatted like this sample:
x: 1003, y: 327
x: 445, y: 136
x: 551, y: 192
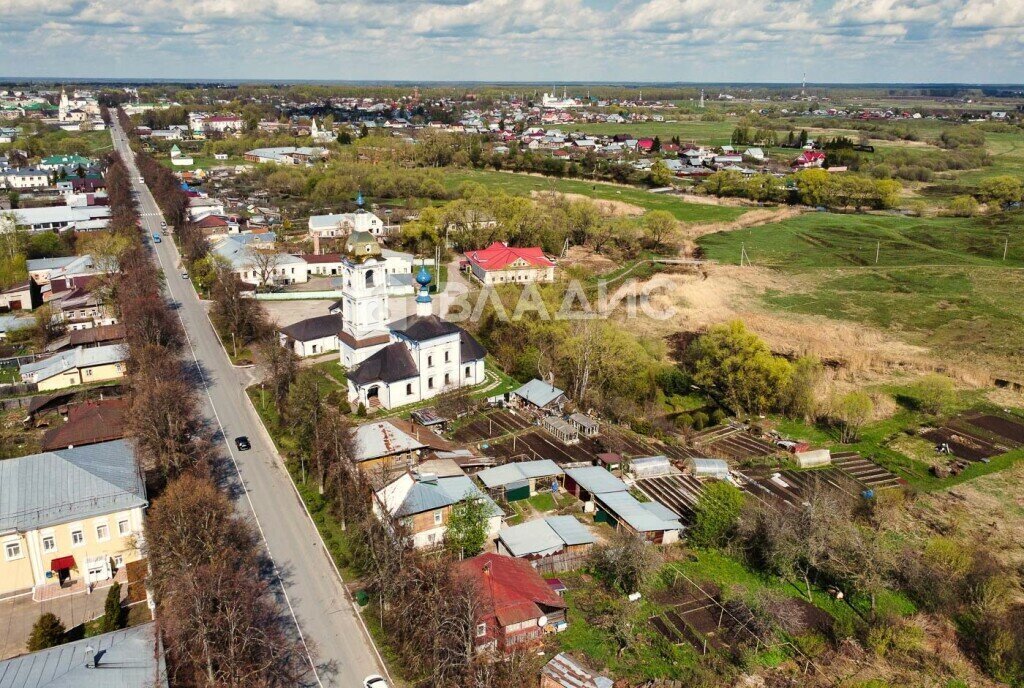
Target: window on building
x: 118, y: 561
x: 49, y: 543
x: 430, y: 383
x: 102, y: 532
x: 123, y: 528
x: 77, y: 537
x: 430, y: 361
x: 408, y: 389
x: 12, y: 550
x: 447, y: 356
x: 447, y: 379
x: 438, y: 518
x: 468, y: 374
x: 481, y: 630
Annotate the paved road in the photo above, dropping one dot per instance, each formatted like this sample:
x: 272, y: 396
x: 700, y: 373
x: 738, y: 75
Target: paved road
x: 312, y: 591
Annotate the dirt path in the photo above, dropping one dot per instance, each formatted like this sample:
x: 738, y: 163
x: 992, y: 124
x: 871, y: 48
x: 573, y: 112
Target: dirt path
x: 751, y: 218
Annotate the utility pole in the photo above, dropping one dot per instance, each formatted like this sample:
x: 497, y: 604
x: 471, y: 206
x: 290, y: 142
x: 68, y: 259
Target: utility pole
x: 1006, y: 246
x: 878, y: 250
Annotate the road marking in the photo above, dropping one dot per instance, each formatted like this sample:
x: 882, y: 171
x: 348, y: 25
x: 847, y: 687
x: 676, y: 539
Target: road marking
x: 245, y: 489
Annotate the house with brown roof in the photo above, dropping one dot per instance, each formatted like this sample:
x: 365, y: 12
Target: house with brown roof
x: 90, y: 422
x: 517, y: 606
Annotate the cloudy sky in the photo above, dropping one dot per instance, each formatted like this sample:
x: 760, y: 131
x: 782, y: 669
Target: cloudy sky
x: 521, y: 40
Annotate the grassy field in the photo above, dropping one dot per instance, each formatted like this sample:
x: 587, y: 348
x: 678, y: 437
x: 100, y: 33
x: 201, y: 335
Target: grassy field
x: 827, y: 240
x: 523, y: 184
x: 940, y: 283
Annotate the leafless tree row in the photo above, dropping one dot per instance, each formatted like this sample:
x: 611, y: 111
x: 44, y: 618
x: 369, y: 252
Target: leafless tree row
x: 217, y: 614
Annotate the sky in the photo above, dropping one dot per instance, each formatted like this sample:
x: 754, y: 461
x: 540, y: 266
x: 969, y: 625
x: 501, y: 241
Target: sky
x: 833, y: 41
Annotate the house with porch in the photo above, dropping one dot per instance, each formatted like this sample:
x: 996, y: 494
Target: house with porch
x: 69, y: 516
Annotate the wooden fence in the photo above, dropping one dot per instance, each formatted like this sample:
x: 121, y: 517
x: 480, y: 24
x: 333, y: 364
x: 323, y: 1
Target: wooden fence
x: 557, y: 563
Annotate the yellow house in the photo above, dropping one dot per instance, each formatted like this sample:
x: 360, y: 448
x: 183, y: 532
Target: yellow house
x: 69, y: 515
x: 77, y: 366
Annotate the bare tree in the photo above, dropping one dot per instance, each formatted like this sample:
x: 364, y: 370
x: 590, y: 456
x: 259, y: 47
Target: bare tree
x: 264, y: 261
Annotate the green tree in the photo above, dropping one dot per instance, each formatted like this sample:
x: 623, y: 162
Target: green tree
x: 738, y: 365
x: 659, y: 226
x: 661, y: 175
x: 936, y: 393
x: 467, y: 528
x: 715, y: 515
x: 800, y: 399
x: 47, y: 631
x: 1001, y: 190
x: 112, y: 616
x: 344, y: 137
x: 853, y: 410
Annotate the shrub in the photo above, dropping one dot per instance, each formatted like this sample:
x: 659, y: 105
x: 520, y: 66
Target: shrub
x: 963, y: 206
x: 716, y: 514
x: 47, y: 631
x: 112, y: 616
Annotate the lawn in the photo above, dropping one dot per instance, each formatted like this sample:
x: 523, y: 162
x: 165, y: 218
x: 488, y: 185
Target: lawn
x: 524, y: 184
x: 333, y: 370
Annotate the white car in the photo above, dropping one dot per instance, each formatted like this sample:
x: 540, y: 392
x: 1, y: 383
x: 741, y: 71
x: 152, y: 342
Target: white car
x: 374, y: 681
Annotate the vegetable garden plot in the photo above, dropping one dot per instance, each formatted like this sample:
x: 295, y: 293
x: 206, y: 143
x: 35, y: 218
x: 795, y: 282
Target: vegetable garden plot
x: 491, y: 425
x: 963, y: 444
x: 867, y: 473
x: 1009, y: 430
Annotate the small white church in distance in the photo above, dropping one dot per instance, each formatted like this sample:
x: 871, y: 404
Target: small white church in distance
x: 396, y: 363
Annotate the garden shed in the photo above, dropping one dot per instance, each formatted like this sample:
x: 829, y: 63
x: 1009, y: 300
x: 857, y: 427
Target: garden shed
x: 561, y: 429
x: 587, y: 426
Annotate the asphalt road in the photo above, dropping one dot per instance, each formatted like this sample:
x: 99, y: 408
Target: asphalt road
x: 310, y: 588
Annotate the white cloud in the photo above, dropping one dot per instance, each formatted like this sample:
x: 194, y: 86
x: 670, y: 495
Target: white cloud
x: 528, y: 40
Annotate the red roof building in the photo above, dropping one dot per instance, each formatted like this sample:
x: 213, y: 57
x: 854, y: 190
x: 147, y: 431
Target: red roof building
x: 809, y: 159
x: 90, y: 422
x: 516, y: 603
x: 645, y: 144
x: 500, y: 263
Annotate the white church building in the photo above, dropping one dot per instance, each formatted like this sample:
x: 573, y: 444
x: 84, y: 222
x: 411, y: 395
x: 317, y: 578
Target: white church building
x: 396, y: 363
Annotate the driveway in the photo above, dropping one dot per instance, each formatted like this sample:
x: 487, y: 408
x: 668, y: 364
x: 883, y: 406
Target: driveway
x: 18, y: 614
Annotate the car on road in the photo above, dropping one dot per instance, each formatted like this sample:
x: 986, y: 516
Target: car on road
x: 184, y: 275
x: 142, y: 180
x: 374, y: 681
x: 162, y: 223
x: 156, y: 239
x: 242, y: 442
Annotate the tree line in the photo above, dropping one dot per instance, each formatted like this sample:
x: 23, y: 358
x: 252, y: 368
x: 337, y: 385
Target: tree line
x: 216, y: 610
